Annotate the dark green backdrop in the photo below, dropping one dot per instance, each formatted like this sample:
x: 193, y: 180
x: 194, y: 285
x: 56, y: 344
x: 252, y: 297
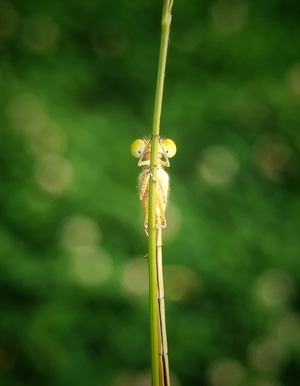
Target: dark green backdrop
x: 77, y: 83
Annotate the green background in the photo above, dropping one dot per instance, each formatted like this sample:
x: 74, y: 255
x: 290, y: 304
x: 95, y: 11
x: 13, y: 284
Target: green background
x: 77, y: 83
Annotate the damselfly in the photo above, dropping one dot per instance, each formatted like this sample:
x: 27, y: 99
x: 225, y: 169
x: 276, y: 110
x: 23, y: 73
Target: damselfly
x: 141, y: 149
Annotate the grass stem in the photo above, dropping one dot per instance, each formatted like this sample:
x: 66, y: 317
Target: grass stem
x: 160, y: 373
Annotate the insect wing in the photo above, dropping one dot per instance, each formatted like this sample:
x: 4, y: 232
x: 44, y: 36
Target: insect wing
x: 144, y: 184
x: 163, y: 185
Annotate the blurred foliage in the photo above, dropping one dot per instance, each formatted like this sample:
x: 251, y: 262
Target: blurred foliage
x: 77, y: 87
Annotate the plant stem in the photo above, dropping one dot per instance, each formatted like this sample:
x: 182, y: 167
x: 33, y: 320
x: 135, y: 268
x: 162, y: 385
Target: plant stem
x: 152, y: 241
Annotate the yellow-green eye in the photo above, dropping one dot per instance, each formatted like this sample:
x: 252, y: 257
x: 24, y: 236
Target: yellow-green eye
x: 169, y: 147
x: 137, y: 148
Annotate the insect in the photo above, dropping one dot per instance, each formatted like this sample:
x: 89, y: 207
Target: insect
x: 141, y: 149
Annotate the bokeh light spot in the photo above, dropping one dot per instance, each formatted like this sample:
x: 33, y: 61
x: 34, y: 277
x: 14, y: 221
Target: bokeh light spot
x: 26, y: 112
x: 142, y: 378
x: 40, y: 33
x: 54, y: 174
x: 229, y: 16
x: 227, y: 372
x: 123, y: 379
x: 267, y: 354
x: 273, y: 158
x: 265, y: 381
x: 287, y: 330
x: 8, y: 19
x: 78, y: 232
x: 181, y: 283
x: 134, y: 279
x: 47, y: 139
x: 91, y: 266
x: 218, y: 166
x: 174, y: 222
x: 274, y: 287
x: 293, y: 80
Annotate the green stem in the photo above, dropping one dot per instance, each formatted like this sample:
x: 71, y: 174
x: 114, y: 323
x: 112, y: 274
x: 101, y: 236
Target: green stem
x: 154, y: 316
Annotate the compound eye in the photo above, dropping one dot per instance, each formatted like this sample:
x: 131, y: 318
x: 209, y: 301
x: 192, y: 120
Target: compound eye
x: 169, y: 147
x: 137, y: 148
